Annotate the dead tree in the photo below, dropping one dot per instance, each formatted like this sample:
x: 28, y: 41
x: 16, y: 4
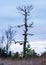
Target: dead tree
x: 8, y: 38
x: 25, y: 11
x: 10, y: 33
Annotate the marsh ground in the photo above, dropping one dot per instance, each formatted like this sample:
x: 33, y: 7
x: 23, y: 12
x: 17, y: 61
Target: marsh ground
x: 33, y: 61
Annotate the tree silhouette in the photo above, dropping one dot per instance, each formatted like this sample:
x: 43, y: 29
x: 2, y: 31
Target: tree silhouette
x: 10, y: 54
x: 0, y: 52
x: 10, y: 34
x: 8, y: 38
x: 25, y: 11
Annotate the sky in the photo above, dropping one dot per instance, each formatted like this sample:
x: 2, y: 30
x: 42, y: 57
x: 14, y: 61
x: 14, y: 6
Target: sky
x: 9, y: 16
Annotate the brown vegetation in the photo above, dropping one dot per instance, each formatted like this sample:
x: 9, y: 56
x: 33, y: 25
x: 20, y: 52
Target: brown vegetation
x: 33, y: 61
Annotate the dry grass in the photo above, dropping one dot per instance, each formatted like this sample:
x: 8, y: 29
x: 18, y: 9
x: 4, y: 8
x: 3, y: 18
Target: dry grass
x: 33, y: 61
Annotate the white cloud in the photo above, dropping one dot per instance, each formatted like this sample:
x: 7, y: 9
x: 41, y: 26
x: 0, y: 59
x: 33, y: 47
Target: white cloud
x: 39, y: 46
x: 16, y: 48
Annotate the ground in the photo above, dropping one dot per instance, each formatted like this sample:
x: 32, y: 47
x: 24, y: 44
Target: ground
x: 34, y: 61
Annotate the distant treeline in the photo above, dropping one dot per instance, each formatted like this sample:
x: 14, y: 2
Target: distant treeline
x: 29, y: 53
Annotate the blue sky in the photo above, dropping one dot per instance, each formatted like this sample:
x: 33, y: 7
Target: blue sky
x: 9, y: 16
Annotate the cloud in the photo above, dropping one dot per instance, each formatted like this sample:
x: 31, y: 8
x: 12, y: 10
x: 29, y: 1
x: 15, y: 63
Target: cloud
x: 38, y: 46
